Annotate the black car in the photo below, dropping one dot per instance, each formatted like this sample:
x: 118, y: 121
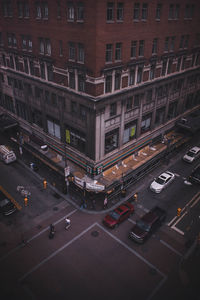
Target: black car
x: 6, y: 206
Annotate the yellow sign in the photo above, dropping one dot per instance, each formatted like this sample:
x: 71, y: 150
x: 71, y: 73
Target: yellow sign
x: 67, y: 132
x: 132, y: 131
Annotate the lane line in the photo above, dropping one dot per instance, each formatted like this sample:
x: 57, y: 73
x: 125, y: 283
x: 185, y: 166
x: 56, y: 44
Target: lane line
x: 132, y: 251
x: 171, y: 248
x: 35, y: 236
x: 131, y: 221
x: 55, y: 253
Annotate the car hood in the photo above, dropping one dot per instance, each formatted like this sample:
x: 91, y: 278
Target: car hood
x: 138, y: 232
x: 109, y: 220
x: 187, y: 157
x: 156, y: 186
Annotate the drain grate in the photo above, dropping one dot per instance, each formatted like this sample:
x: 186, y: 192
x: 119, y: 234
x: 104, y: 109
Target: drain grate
x: 95, y: 233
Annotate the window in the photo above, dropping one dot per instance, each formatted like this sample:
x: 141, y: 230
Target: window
x: 72, y: 80
x: 118, y: 51
x: 32, y: 70
x: 129, y: 132
x: 146, y: 123
x: 53, y: 128
x: 60, y: 48
x: 42, y: 70
x: 42, y: 11
x: 172, y: 44
x: 137, y: 100
x: 80, y: 11
x: 178, y: 66
x: 133, y: 49
x: 110, y: 11
x: 189, y: 11
x: 113, y: 109
x: 164, y: 66
x: 120, y: 11
x: 7, y: 8
x: 108, y: 86
x: 75, y: 138
x: 81, y: 83
x: 169, y: 68
x: 45, y: 10
x: 186, y: 41
x: 54, y: 99
x: 12, y: 41
x: 38, y: 11
x: 149, y: 96
x: 21, y: 108
x: 139, y: 74
x: 117, y: 80
x: 17, y: 63
x: 74, y: 107
x: 111, y: 140
x: 172, y: 111
x: 141, y: 48
x: 20, y: 9
x: 160, y: 116
x: 81, y: 53
x: 58, y: 9
x: 129, y: 103
x: 109, y: 49
x: 132, y: 77
x: 44, y: 46
x: 171, y: 12
x: 166, y: 47
x: 37, y: 118
x: 70, y: 11
x: 83, y: 112
x: 152, y: 71
x: 158, y: 11
x: 144, y: 11
x: 26, y: 69
x: 155, y: 46
x: 176, y: 12
x: 50, y: 74
x: 72, y: 51
x: 136, y: 12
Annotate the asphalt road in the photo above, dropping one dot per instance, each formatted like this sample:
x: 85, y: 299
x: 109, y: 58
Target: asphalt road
x: 90, y: 261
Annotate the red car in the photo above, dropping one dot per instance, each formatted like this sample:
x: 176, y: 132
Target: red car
x: 118, y: 215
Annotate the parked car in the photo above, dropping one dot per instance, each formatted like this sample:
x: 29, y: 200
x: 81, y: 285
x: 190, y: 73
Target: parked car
x: 118, y: 215
x: 6, y: 206
x: 192, y: 154
x: 147, y: 224
x: 162, y: 181
x: 195, y: 175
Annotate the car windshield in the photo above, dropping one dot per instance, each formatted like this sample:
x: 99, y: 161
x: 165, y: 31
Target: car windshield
x: 114, y: 215
x: 190, y: 153
x: 142, y: 225
x: 160, y: 180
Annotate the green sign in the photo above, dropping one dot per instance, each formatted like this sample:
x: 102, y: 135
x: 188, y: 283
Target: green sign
x: 67, y: 132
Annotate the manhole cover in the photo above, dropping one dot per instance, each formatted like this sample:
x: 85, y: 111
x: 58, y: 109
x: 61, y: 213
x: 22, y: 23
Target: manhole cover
x: 55, y: 208
x: 152, y: 271
x: 95, y: 233
x: 56, y: 195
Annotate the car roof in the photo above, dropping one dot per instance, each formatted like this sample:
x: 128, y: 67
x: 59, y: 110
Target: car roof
x: 150, y: 217
x: 165, y: 175
x: 195, y: 149
x: 122, y: 208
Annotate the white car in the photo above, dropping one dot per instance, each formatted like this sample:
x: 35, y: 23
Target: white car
x: 192, y: 154
x: 162, y: 181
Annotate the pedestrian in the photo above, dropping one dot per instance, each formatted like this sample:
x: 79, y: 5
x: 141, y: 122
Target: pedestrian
x: 67, y: 223
x: 105, y: 203
x: 135, y: 197
x: 52, y: 231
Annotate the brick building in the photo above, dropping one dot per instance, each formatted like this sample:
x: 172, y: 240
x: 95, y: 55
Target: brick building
x: 95, y: 79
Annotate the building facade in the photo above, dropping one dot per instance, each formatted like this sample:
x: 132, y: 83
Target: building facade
x: 97, y: 80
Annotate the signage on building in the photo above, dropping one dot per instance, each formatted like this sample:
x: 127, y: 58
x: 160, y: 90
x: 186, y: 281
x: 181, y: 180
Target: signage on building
x: 67, y: 171
x: 67, y: 133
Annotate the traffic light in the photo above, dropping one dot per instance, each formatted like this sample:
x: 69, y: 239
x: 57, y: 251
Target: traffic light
x: 178, y: 212
x: 25, y: 200
x: 45, y: 184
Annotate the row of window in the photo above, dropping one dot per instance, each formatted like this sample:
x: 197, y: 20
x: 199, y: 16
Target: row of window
x: 73, y: 11
x: 140, y: 11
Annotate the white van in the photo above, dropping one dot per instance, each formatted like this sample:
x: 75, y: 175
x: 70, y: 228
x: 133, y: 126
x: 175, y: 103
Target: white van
x: 7, y: 155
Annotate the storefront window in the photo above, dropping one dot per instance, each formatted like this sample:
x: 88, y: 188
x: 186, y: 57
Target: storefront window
x: 129, y: 132
x: 146, y: 123
x: 111, y: 140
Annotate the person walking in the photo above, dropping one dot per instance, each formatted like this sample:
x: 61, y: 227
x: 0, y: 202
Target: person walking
x: 52, y: 231
x: 105, y: 203
x: 67, y: 223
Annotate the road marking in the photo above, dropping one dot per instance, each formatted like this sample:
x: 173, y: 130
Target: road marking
x: 19, y: 207
x: 56, y: 252
x: 143, y: 259
x: 171, y: 248
x: 132, y: 250
x: 131, y: 221
x: 35, y: 236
